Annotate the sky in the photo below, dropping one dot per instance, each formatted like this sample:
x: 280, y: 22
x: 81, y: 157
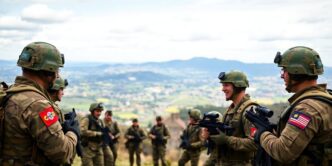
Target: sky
x: 135, y: 31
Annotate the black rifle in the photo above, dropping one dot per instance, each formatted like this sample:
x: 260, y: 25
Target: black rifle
x: 106, y: 138
x: 70, y: 118
x: 137, y: 137
x: 184, y: 142
x: 159, y: 138
x: 210, y: 121
x: 259, y: 118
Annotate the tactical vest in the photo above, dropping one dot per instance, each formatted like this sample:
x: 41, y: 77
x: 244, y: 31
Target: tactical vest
x: 37, y: 155
x: 316, y: 154
x: 161, y: 132
x: 94, y: 125
x: 236, y: 122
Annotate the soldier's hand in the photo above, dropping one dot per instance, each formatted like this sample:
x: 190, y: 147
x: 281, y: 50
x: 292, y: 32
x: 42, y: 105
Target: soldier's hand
x: 111, y: 135
x: 130, y: 137
x: 152, y: 136
x: 219, y: 139
x: 205, y: 133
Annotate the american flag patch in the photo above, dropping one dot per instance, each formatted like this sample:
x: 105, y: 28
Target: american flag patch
x: 299, y: 120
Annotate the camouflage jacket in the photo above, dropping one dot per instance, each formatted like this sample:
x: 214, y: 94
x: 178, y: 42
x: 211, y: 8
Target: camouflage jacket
x: 308, y: 126
x: 193, y: 132
x: 32, y: 130
x: 160, y: 131
x: 91, y: 133
x: 136, y: 132
x: 240, y: 144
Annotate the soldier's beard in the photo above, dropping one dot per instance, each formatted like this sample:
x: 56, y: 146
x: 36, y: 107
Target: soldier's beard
x: 290, y: 85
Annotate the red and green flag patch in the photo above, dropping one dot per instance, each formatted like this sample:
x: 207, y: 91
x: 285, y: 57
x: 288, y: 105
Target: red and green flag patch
x: 48, y: 116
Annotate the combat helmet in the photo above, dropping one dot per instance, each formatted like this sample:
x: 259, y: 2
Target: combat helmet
x: 300, y: 60
x: 195, y: 114
x: 237, y: 78
x: 59, y: 83
x: 41, y: 56
x: 94, y: 106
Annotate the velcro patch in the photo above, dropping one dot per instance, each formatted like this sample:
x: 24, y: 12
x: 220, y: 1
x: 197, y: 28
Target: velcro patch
x: 252, y: 131
x: 299, y: 120
x: 48, y: 116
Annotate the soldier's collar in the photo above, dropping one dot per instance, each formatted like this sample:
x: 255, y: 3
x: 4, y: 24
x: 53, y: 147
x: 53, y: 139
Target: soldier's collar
x: 319, y: 87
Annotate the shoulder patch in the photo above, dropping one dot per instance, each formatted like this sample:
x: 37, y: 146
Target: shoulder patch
x: 299, y: 120
x: 48, y: 116
x: 253, y: 131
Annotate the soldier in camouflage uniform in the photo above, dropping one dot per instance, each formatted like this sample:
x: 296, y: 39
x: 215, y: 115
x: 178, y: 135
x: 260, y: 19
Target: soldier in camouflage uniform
x: 114, y: 133
x: 238, y: 146
x: 304, y: 134
x: 159, y: 135
x: 56, y: 93
x: 92, y: 138
x: 191, y: 141
x: 134, y: 135
x: 32, y: 133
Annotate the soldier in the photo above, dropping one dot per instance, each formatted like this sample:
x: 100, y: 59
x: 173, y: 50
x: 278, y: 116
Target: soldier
x: 238, y: 145
x: 135, y: 135
x: 32, y: 132
x: 191, y: 141
x: 159, y: 135
x: 92, y: 138
x: 114, y: 133
x: 304, y: 134
x: 214, y: 155
x: 56, y: 93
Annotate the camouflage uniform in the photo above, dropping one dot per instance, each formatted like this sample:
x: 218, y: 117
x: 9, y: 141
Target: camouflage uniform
x: 115, y: 131
x: 237, y: 146
x: 296, y: 146
x: 92, y: 142
x: 32, y: 134
x: 240, y: 147
x: 193, y: 152
x: 29, y: 138
x: 159, y: 147
x: 304, y: 135
x: 134, y: 147
x: 213, y: 159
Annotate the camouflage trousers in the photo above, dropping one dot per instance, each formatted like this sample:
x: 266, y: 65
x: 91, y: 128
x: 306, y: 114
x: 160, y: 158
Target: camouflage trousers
x: 135, y: 150
x: 212, y: 160
x: 114, y: 149
x: 108, y: 156
x: 189, y: 155
x: 158, y: 152
x: 93, y: 156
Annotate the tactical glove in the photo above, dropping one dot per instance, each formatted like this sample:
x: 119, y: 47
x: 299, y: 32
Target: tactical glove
x: 72, y: 126
x: 219, y: 139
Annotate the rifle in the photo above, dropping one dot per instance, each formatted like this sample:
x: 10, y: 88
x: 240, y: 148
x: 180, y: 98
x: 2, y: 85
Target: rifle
x: 107, y: 140
x: 184, y: 142
x: 159, y: 138
x: 70, y: 118
x: 259, y: 117
x: 210, y: 121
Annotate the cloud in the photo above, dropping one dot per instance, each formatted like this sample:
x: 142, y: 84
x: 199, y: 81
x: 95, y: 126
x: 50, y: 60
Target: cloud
x: 40, y: 13
x: 14, y: 23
